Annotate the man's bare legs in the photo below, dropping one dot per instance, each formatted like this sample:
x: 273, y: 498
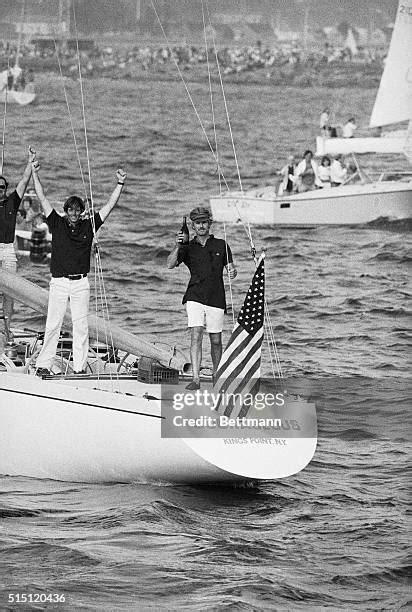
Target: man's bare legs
x: 196, y: 337
x: 216, y: 349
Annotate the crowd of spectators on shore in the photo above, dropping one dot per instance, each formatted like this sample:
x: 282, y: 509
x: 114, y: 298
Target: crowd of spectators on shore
x: 232, y: 59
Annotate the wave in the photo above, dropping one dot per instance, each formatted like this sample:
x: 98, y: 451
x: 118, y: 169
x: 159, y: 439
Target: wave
x: 18, y: 512
x: 394, y: 225
x: 356, y: 434
x: 391, y: 256
x: 391, y: 311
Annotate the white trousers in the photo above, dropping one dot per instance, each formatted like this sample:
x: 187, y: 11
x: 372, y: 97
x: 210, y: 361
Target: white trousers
x: 78, y: 292
x: 8, y: 262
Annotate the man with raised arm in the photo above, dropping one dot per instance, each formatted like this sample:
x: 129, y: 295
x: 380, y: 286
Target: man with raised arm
x: 206, y: 257
x: 72, y: 239
x: 9, y: 205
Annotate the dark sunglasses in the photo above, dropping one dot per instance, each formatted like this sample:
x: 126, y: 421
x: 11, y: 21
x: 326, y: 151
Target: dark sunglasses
x: 2, y: 186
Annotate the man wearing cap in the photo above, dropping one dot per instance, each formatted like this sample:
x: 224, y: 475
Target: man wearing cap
x: 205, y: 256
x: 72, y: 239
x: 9, y: 205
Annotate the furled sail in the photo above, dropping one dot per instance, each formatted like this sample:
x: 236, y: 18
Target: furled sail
x: 394, y: 99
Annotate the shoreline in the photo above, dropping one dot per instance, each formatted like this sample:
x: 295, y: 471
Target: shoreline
x: 333, y: 75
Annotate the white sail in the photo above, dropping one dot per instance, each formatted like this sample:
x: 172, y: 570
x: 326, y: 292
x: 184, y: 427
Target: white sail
x: 394, y: 99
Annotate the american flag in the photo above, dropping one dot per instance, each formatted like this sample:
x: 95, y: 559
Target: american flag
x: 238, y: 373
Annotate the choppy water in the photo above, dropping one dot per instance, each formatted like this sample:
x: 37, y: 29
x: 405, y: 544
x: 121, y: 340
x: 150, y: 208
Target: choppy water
x: 333, y: 536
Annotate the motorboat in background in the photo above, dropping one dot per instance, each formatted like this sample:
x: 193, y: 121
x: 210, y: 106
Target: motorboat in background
x: 22, y: 98
x: 346, y: 205
x: 353, y: 202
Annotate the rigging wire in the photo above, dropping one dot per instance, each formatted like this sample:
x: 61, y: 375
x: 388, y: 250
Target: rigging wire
x: 99, y: 285
x: 186, y: 87
x: 217, y: 157
x: 3, y: 140
x: 71, y: 120
x: 271, y: 342
x: 245, y: 225
x: 273, y: 351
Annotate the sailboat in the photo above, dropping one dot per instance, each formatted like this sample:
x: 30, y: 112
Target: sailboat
x: 13, y: 96
x: 393, y: 103
x: 114, y: 422
x: 352, y: 203
x: 107, y: 425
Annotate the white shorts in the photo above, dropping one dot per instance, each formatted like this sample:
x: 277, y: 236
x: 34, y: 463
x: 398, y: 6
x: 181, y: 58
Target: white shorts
x: 197, y: 313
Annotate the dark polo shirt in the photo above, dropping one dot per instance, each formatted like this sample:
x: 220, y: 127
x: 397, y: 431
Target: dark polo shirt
x: 206, y: 265
x: 71, y: 246
x: 8, y: 213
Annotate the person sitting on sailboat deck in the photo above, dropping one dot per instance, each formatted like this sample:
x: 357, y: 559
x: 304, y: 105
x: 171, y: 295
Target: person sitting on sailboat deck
x: 349, y: 128
x: 205, y: 256
x: 288, y: 174
x: 306, y: 173
x: 324, y: 172
x: 337, y: 171
x: 72, y: 239
x: 9, y: 205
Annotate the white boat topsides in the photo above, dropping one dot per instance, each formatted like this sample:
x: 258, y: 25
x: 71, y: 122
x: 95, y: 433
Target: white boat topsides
x: 109, y: 426
x: 345, y: 146
x: 350, y: 204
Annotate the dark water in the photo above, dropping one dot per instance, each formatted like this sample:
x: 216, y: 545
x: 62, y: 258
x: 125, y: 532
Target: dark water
x: 333, y: 536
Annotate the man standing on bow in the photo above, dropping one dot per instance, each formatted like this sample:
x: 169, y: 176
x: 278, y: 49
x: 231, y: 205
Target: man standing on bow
x: 9, y: 205
x: 205, y: 256
x: 72, y: 239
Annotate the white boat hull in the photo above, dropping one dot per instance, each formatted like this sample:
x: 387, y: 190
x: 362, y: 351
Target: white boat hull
x: 17, y: 97
x: 57, y: 431
x: 346, y: 205
x: 69, y: 430
x: 346, y: 146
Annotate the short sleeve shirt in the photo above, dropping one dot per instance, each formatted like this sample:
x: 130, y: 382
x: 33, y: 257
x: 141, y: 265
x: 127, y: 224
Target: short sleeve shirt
x: 206, y: 265
x: 71, y: 246
x: 8, y: 213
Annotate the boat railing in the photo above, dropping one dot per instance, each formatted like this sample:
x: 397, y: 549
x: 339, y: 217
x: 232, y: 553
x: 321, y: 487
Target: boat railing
x: 403, y: 175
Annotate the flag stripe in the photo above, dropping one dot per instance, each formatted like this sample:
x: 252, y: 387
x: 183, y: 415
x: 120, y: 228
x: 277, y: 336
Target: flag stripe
x: 251, y: 384
x: 235, y: 339
x: 245, y: 409
x: 238, y: 352
x: 239, y: 363
x: 254, y: 366
x: 242, y: 382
